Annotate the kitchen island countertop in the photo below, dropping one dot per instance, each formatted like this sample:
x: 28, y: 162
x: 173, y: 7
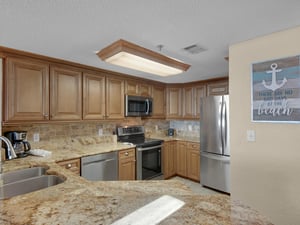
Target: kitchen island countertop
x: 79, y: 201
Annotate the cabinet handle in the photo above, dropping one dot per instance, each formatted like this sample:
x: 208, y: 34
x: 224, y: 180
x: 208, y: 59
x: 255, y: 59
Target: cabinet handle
x: 46, y: 116
x: 126, y: 153
x: 68, y: 166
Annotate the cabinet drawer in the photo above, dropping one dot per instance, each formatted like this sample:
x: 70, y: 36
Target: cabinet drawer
x: 127, y: 153
x: 72, y: 165
x: 193, y: 145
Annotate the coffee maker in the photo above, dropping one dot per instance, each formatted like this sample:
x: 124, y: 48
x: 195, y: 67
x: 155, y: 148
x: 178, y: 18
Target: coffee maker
x: 19, y: 142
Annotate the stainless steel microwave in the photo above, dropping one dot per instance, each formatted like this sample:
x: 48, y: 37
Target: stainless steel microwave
x: 138, y: 106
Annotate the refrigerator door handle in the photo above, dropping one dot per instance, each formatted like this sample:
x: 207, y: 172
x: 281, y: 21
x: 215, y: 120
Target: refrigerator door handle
x: 216, y: 157
x: 222, y: 125
x: 225, y: 126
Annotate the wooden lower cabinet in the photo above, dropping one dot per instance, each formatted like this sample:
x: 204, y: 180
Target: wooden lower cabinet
x: 127, y: 164
x: 193, y: 161
x: 181, y: 163
x: 72, y: 165
x: 181, y: 158
x: 169, y: 158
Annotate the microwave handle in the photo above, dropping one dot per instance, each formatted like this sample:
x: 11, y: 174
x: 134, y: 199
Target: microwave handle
x: 148, y: 106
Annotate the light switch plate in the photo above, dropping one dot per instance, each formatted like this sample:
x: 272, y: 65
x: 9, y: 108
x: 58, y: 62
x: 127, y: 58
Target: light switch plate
x: 36, y: 137
x: 100, y: 132
x: 251, y: 135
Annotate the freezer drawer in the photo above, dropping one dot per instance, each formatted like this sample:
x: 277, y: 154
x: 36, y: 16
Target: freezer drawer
x: 215, y: 171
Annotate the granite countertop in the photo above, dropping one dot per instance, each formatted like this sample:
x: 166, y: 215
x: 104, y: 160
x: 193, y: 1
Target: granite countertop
x: 176, y: 138
x: 79, y: 201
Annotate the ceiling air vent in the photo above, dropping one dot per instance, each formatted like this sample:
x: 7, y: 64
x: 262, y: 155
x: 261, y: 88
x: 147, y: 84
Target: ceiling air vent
x: 194, y: 49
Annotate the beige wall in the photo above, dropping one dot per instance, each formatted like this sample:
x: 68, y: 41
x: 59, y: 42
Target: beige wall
x: 265, y: 173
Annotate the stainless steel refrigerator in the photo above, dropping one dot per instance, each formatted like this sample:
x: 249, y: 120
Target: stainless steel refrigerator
x: 214, y: 143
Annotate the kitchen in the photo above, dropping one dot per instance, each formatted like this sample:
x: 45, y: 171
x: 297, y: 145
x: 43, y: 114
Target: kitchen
x: 236, y: 85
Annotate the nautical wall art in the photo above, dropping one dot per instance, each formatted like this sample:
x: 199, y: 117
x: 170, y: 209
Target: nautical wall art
x: 276, y: 90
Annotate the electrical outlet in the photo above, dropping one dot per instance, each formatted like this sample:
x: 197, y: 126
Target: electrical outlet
x: 100, y: 132
x: 251, y: 135
x: 190, y: 127
x: 36, y: 137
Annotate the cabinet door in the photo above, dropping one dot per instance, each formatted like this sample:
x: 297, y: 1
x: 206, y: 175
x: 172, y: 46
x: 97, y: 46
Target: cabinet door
x: 159, y: 103
x: 193, y: 161
x: 127, y: 169
x: 217, y: 88
x: 181, y: 158
x: 93, y: 96
x: 145, y: 90
x: 26, y: 90
x: 174, y: 103
x: 131, y: 87
x: 66, y: 93
x: 114, y: 98
x: 188, y: 103
x: 127, y: 164
x: 199, y: 92
x: 169, y: 158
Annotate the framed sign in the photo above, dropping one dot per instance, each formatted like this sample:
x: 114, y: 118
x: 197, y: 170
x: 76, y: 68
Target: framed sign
x: 276, y: 90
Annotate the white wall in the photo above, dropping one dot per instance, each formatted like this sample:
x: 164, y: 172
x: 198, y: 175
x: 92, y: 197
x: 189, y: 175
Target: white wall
x: 265, y: 173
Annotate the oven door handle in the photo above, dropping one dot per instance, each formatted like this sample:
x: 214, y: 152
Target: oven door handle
x: 148, y: 148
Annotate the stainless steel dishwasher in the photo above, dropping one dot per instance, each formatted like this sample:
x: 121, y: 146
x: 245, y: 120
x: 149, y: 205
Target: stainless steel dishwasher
x: 100, y: 167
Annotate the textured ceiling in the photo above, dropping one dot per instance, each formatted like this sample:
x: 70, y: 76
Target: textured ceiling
x: 74, y: 29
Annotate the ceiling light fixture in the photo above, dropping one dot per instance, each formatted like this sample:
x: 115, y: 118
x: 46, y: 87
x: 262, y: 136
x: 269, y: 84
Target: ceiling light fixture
x: 126, y: 54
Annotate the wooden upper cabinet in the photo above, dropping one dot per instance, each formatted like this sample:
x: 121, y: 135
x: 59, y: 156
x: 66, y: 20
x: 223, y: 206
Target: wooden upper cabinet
x: 26, y: 90
x: 191, y: 101
x: 93, y: 96
x: 188, y: 108
x: 159, y: 102
x: 134, y: 87
x: 199, y: 92
x: 174, y: 102
x: 131, y: 87
x: 66, y: 93
x: 114, y: 98
x: 217, y: 88
x: 145, y: 90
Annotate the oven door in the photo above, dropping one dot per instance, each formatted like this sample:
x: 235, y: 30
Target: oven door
x: 148, y: 163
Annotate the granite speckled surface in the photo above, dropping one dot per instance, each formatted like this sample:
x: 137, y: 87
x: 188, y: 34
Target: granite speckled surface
x: 78, y: 201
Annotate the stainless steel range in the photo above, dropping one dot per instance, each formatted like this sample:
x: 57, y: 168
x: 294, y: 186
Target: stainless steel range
x: 148, y: 151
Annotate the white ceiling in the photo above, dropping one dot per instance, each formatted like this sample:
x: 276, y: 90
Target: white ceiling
x: 74, y: 29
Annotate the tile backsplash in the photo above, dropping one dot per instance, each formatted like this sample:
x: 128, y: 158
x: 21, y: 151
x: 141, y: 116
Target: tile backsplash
x: 186, y: 128
x: 64, y: 131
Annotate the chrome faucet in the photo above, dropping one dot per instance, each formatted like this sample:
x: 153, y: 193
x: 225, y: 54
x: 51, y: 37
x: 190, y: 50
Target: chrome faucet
x: 10, y: 149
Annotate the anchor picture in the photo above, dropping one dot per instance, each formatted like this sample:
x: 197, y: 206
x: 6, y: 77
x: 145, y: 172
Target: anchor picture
x: 274, y: 86
x: 276, y: 90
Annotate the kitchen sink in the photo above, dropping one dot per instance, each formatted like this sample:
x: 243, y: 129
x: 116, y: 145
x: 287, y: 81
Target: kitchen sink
x: 22, y: 174
x: 29, y: 185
